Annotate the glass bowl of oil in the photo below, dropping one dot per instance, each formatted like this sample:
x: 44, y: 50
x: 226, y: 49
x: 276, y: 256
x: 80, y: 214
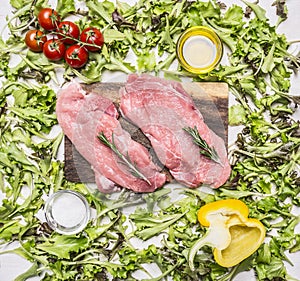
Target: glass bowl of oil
x: 199, y: 49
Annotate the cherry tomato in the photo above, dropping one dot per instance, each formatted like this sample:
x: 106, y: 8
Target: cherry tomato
x: 35, y: 39
x: 69, y: 29
x: 54, y: 49
x: 76, y: 56
x: 48, y: 19
x: 92, y: 35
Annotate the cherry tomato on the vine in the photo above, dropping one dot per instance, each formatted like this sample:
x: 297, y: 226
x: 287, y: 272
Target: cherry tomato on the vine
x: 92, y: 35
x: 35, y: 39
x: 76, y: 56
x: 54, y: 49
x: 68, y: 30
x: 48, y: 19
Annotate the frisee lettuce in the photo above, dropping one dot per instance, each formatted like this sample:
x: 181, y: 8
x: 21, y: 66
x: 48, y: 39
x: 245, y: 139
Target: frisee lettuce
x: 266, y: 156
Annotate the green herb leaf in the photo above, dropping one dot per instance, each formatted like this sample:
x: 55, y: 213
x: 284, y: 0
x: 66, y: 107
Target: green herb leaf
x: 205, y: 149
x: 125, y: 159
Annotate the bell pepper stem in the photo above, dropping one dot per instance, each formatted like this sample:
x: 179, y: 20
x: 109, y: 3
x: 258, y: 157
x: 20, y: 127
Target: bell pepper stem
x: 217, y: 236
x: 195, y: 248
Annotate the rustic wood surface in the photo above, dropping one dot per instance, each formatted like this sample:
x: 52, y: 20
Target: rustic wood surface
x: 210, y: 98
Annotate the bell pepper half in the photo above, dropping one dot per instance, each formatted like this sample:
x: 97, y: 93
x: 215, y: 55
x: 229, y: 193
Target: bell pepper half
x: 231, y: 233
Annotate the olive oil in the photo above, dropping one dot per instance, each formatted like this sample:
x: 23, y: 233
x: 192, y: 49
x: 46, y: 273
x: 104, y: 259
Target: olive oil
x: 199, y: 49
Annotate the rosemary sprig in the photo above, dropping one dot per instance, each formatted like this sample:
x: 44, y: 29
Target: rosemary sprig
x: 205, y: 149
x: 125, y: 159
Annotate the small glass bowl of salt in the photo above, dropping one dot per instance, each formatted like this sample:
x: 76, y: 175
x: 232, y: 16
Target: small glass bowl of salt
x: 67, y: 212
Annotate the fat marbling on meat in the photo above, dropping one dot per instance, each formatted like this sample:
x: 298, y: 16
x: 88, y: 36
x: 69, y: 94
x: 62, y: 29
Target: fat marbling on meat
x: 161, y: 109
x: 83, y: 116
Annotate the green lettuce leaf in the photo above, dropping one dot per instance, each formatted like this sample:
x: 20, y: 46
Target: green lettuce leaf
x: 65, y: 7
x: 237, y: 115
x: 62, y: 246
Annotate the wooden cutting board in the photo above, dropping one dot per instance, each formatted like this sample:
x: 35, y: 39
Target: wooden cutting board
x: 210, y: 98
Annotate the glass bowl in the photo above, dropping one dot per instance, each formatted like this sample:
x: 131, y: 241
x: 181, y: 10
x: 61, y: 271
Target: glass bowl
x: 199, y: 49
x: 67, y: 212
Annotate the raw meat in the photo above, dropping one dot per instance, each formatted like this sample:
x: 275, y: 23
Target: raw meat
x: 161, y: 109
x: 82, y: 117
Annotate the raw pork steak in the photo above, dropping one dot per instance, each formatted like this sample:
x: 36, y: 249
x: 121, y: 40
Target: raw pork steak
x: 162, y: 108
x: 83, y: 116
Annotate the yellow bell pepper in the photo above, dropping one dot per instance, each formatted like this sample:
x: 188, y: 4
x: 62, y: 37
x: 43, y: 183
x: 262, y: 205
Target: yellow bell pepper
x: 231, y: 233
